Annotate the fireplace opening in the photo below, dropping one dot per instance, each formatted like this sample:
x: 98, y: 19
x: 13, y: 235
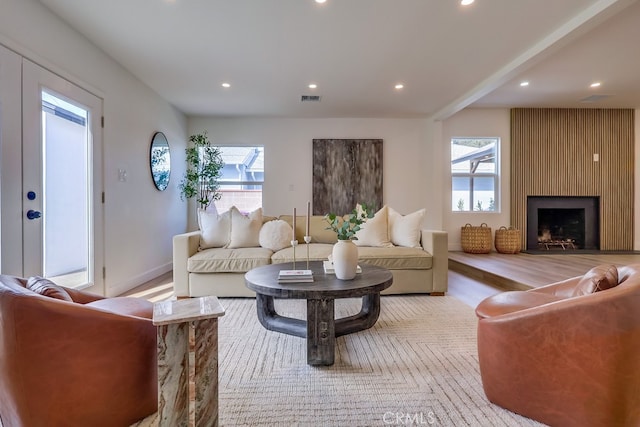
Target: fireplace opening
x: 562, y: 223
x: 563, y: 228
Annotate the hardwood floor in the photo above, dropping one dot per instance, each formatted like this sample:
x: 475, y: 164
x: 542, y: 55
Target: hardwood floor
x: 468, y: 290
x: 158, y: 289
x: 472, y: 277
x: 525, y: 271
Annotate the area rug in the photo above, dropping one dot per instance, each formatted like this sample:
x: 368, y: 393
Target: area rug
x: 417, y: 366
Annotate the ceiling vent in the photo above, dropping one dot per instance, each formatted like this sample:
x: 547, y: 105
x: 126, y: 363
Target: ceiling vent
x: 310, y: 98
x: 594, y: 98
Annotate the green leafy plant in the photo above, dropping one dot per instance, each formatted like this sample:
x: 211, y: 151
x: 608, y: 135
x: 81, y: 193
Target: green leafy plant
x: 460, y: 204
x: 347, y: 227
x: 204, y: 169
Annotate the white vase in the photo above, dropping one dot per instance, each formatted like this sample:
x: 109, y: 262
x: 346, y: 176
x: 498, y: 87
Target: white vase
x: 345, y: 259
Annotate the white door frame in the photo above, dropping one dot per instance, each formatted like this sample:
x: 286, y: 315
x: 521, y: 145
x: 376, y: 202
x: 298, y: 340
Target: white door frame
x: 10, y: 163
x: 36, y: 78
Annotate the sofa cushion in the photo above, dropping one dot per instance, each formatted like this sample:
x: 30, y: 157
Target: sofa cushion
x: 396, y: 258
x: 245, y: 229
x: 512, y: 301
x: 215, y: 230
x: 275, y: 235
x: 320, y: 231
x: 129, y: 306
x: 226, y: 260
x: 597, y: 279
x: 375, y: 231
x: 318, y: 228
x: 405, y: 230
x: 267, y: 218
x: 317, y: 252
x: 46, y: 287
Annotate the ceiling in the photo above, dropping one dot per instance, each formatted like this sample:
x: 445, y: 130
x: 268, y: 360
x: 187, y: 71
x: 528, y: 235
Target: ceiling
x: 447, y: 56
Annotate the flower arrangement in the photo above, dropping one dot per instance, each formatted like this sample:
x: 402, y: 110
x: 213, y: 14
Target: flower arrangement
x: 347, y: 227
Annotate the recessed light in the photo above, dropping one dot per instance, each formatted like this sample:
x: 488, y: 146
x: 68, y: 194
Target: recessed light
x: 313, y: 86
x: 399, y: 86
x: 226, y: 85
x: 320, y: 1
x: 595, y: 84
x: 524, y: 84
x: 466, y: 2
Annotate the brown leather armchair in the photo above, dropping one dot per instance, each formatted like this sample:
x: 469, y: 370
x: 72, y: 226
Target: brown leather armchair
x: 74, y: 358
x: 564, y: 357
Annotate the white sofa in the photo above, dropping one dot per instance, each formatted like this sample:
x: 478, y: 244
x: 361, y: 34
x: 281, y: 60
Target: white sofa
x: 220, y: 270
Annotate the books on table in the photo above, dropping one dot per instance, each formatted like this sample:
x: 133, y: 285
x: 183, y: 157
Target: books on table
x: 329, y: 269
x: 295, y: 276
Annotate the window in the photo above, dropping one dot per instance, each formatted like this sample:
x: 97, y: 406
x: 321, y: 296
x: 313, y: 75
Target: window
x: 242, y: 178
x: 474, y: 174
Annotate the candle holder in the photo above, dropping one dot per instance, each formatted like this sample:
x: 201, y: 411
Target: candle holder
x: 294, y: 243
x: 307, y: 240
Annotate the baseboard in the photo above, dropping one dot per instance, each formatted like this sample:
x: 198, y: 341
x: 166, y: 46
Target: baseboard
x: 135, y: 281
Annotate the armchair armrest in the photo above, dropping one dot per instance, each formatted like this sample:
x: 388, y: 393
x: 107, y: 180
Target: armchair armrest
x: 184, y: 246
x: 82, y: 297
x: 562, y: 289
x: 435, y: 242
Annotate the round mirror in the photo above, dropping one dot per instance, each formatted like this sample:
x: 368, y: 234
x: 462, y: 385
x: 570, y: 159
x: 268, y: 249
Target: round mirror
x: 160, y: 158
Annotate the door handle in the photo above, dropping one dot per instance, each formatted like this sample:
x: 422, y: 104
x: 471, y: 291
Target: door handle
x: 31, y: 214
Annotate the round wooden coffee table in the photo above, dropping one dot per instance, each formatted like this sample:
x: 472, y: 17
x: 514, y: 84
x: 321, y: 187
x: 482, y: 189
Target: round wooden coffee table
x: 321, y: 328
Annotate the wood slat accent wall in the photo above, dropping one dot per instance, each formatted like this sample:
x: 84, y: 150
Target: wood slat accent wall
x: 552, y: 155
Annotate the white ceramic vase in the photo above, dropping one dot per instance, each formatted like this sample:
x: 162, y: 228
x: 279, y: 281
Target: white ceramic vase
x: 345, y: 259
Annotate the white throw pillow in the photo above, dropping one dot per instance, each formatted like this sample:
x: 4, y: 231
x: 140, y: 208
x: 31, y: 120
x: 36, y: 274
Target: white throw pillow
x: 215, y: 230
x: 275, y: 235
x: 245, y: 229
x: 375, y: 232
x: 405, y: 230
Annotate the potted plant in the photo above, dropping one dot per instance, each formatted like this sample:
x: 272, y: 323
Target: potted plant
x: 346, y: 228
x: 204, y: 169
x: 345, y: 252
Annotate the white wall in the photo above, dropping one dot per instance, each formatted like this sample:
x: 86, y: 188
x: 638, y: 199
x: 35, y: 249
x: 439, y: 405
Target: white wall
x: 139, y: 220
x: 476, y: 123
x: 407, y: 172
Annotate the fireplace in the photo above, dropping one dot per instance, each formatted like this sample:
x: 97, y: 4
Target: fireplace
x: 563, y: 223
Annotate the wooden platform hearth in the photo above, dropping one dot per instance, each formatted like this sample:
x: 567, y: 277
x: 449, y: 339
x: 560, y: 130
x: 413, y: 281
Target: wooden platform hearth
x: 525, y: 271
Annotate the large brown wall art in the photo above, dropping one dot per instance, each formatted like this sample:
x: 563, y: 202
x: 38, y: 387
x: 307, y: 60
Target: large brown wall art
x: 346, y: 172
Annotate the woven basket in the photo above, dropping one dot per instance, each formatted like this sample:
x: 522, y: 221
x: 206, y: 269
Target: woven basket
x: 476, y: 240
x: 507, y: 240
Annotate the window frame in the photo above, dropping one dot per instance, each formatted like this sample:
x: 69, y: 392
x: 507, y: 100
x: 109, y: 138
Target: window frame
x: 222, y: 183
x: 471, y: 175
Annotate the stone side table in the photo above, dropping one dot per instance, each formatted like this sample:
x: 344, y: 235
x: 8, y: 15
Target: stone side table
x: 172, y: 319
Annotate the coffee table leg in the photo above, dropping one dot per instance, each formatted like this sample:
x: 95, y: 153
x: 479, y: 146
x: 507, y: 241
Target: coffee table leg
x: 321, y: 336
x: 367, y: 317
x: 274, y: 322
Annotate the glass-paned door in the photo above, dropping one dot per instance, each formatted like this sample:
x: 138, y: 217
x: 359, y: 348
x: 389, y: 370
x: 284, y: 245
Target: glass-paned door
x: 61, y: 181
